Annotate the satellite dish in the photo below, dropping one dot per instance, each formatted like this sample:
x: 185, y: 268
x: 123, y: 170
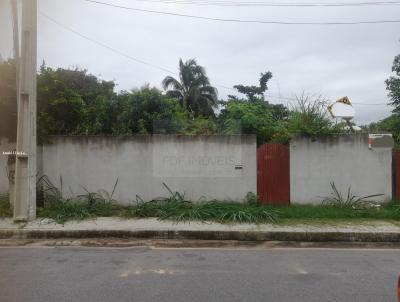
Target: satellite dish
x: 342, y: 108
x: 344, y: 111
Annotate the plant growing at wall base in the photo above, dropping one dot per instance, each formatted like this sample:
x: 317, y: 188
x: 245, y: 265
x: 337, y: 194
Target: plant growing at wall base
x: 337, y: 199
x: 176, y: 207
x: 61, y: 209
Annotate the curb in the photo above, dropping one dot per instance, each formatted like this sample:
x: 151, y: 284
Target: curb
x: 204, y: 235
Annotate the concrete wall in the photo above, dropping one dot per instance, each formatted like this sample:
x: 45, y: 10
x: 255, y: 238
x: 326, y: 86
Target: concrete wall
x: 5, y: 146
x: 211, y: 167
x: 346, y: 160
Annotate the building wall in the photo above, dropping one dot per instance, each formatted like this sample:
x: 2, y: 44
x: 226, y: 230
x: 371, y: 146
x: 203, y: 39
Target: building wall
x: 210, y: 167
x: 345, y: 160
x: 5, y: 146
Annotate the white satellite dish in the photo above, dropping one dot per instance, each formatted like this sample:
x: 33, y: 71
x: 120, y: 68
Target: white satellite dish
x: 342, y: 110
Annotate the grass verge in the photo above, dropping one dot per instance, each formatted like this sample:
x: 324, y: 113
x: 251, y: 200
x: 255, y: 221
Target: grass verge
x: 52, y: 204
x: 388, y: 211
x: 222, y: 212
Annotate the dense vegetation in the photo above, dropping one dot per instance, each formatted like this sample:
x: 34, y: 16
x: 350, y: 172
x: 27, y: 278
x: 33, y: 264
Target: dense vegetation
x: 75, y: 102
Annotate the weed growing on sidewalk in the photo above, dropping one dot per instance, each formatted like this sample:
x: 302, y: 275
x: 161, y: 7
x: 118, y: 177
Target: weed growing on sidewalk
x: 337, y: 199
x: 88, y: 205
x: 177, y: 208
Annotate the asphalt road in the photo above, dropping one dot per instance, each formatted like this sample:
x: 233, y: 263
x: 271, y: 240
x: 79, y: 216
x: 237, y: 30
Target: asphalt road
x: 142, y: 274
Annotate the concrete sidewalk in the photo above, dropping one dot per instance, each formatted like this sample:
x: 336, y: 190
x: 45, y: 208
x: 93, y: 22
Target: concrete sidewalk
x: 155, y: 229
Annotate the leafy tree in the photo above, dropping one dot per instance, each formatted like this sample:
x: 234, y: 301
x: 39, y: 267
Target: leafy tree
x: 393, y: 85
x: 199, y: 126
x: 192, y: 89
x: 253, y: 114
x: 250, y: 118
x: 147, y: 110
x: 72, y: 102
x: 8, y: 100
x: 255, y: 93
x: 279, y: 112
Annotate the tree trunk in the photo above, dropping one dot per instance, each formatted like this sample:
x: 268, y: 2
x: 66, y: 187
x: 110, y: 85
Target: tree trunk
x: 185, y: 103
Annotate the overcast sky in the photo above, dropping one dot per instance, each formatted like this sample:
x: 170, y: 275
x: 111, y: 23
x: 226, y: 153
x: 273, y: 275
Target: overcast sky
x: 351, y: 60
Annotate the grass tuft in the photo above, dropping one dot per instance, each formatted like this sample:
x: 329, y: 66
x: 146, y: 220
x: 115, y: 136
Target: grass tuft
x: 88, y: 205
x: 177, y: 208
x: 337, y: 199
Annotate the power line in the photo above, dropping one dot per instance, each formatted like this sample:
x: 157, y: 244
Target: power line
x: 272, y: 4
x: 112, y: 49
x: 353, y: 103
x: 370, y: 104
x: 162, y: 68
x: 240, y: 20
x: 101, y: 44
x: 105, y: 46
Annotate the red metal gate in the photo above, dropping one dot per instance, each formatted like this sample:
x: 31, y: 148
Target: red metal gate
x: 396, y: 174
x: 273, y: 175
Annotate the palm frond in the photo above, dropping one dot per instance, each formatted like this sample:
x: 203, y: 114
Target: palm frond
x: 175, y: 94
x: 171, y: 82
x: 210, y: 90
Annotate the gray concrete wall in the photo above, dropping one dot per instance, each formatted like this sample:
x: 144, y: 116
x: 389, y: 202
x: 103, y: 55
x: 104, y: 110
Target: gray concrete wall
x: 211, y: 167
x: 346, y: 160
x: 5, y: 146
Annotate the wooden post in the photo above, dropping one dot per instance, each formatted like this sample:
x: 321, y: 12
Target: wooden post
x: 25, y: 170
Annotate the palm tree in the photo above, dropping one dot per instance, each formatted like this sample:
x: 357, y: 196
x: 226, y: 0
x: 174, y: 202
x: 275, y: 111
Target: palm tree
x: 193, y: 88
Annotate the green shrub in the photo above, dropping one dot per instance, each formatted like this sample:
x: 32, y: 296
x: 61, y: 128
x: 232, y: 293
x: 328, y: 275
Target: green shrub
x: 337, y: 199
x: 88, y: 205
x: 177, y: 208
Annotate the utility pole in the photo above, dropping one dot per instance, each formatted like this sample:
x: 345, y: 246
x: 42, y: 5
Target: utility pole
x: 25, y: 169
x: 11, y: 167
x: 14, y: 10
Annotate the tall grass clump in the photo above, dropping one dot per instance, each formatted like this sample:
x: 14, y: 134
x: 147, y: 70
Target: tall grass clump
x: 176, y: 207
x: 348, y: 200
x: 55, y: 206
